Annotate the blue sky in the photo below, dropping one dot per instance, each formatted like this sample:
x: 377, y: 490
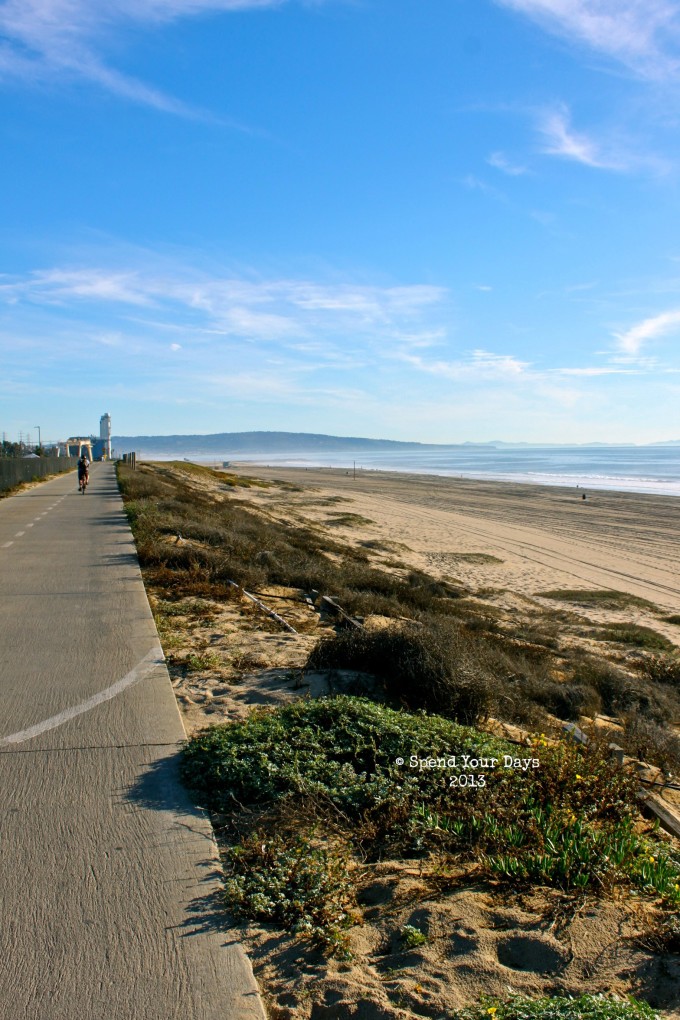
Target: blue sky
x: 441, y: 220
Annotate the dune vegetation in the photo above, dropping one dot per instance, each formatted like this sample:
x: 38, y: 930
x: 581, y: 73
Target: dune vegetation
x: 306, y: 795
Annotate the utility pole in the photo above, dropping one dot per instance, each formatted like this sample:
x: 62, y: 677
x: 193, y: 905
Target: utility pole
x: 39, y: 439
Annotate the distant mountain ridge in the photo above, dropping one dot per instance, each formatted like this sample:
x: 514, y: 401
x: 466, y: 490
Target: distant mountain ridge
x: 304, y: 442
x: 258, y: 442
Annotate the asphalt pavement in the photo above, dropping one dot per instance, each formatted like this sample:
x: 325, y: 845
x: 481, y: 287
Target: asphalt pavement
x: 108, y: 875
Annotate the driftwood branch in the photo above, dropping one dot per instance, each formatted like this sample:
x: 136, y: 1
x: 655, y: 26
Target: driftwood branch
x: 331, y: 606
x: 265, y: 609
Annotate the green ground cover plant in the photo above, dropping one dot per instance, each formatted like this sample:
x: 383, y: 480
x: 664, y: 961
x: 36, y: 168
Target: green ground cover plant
x: 202, y: 661
x: 343, y: 750
x: 586, y: 1007
x: 293, y: 883
x: 558, y: 816
x: 412, y: 937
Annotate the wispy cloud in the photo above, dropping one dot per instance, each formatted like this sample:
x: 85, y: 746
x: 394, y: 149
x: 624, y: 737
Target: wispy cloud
x: 606, y: 151
x: 181, y: 299
x: 500, y: 161
x: 498, y: 364
x: 476, y: 365
x: 643, y: 35
x: 560, y: 139
x: 43, y: 40
x: 630, y: 343
x: 474, y: 183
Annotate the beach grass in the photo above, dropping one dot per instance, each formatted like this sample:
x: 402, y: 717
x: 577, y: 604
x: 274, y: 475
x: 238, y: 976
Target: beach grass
x: 348, y: 520
x: 204, y: 471
x: 635, y: 635
x: 471, y: 557
x: 597, y: 598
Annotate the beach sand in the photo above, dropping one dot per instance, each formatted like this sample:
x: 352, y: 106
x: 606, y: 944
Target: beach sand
x: 546, y: 537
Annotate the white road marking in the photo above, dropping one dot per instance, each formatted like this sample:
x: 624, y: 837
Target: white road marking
x: 29, y: 525
x: 152, y: 659
x: 6, y: 545
x: 19, y: 534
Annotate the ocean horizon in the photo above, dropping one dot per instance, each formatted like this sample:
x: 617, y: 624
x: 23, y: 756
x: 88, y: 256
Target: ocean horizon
x: 646, y: 469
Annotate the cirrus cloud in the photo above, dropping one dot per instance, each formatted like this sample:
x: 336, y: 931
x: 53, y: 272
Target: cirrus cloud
x: 179, y: 297
x: 44, y: 40
x: 643, y: 35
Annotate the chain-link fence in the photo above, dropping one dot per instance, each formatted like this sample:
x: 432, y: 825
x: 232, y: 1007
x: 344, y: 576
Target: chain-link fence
x: 14, y: 470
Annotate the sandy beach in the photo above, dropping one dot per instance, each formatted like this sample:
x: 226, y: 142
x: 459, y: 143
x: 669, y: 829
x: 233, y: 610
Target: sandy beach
x: 546, y: 537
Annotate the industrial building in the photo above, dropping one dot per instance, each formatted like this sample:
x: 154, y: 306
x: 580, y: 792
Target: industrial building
x: 94, y: 447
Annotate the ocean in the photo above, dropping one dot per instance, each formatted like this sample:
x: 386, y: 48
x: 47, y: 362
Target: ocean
x: 654, y: 469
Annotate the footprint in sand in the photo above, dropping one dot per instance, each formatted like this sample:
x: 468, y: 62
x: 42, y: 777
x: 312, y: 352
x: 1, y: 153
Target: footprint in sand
x: 521, y: 952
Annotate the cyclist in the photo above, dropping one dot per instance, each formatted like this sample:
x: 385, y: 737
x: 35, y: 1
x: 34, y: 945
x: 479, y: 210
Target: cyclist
x: 83, y: 472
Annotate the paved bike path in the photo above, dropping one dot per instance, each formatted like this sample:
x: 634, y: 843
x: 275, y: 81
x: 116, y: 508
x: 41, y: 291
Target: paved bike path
x: 107, y: 874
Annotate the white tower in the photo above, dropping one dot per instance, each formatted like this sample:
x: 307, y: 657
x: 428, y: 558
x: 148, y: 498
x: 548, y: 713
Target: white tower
x: 105, y: 434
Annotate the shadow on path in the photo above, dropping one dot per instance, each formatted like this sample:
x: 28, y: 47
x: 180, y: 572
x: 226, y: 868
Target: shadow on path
x: 159, y: 788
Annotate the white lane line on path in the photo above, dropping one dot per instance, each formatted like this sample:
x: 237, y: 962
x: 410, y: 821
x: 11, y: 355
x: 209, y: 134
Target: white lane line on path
x: 6, y: 545
x: 151, y: 660
x: 19, y: 534
x: 30, y: 525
